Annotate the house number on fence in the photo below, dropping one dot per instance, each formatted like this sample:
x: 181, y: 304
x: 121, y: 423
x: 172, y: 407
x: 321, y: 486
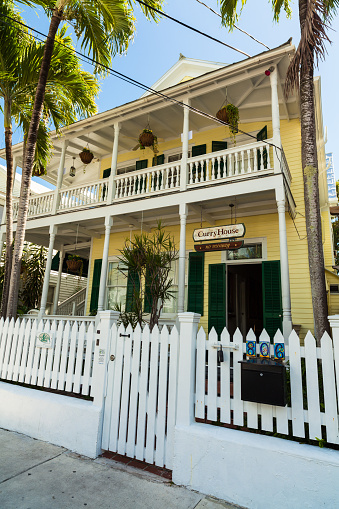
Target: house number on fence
x: 219, y: 232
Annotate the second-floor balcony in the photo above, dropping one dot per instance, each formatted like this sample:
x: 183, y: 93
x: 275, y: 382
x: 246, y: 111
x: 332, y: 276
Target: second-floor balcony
x: 216, y: 168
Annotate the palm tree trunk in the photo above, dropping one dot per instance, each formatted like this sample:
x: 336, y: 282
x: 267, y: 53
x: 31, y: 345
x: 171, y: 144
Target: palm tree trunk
x: 9, y: 208
x: 28, y: 164
x: 311, y: 190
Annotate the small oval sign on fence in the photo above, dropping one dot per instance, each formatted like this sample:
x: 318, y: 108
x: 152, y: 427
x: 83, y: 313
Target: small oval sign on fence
x: 44, y: 340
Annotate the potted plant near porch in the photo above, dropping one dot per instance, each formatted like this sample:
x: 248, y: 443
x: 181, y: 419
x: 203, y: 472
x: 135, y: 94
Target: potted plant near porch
x: 230, y: 115
x: 86, y: 155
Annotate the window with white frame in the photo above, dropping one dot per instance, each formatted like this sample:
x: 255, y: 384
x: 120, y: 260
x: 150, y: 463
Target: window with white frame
x: 116, y: 284
x: 253, y: 250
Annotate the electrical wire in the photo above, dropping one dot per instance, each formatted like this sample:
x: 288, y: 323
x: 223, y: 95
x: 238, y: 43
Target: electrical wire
x: 235, y: 26
x: 127, y: 79
x: 162, y: 13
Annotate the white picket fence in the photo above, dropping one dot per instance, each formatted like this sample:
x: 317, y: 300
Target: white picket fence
x: 67, y: 366
x: 216, y: 398
x: 140, y: 403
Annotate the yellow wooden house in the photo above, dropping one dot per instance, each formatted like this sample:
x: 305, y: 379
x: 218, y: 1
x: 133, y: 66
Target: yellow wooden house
x: 200, y: 178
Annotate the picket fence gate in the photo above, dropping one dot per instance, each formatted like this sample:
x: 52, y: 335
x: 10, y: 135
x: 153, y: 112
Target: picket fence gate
x: 215, y: 400
x: 139, y: 415
x: 67, y: 366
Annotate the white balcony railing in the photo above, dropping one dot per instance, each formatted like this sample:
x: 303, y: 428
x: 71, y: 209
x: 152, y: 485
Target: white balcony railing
x: 75, y: 197
x: 208, y: 169
x: 229, y: 163
x: 37, y: 206
x: 165, y: 177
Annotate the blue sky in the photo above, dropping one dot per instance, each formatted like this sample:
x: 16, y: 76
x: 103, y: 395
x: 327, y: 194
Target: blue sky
x: 156, y: 47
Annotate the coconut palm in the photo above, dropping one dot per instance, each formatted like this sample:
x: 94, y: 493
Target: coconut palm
x: 105, y: 28
x: 314, y: 17
x: 69, y: 94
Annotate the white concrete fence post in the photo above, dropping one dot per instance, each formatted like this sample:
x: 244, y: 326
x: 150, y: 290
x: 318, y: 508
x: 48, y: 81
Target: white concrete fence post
x: 334, y: 323
x: 105, y: 320
x: 186, y: 369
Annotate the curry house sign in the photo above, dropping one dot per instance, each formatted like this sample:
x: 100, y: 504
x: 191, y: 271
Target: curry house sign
x: 219, y: 232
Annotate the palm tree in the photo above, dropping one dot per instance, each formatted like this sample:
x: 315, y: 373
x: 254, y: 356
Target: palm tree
x: 69, y: 94
x: 314, y: 15
x: 105, y: 28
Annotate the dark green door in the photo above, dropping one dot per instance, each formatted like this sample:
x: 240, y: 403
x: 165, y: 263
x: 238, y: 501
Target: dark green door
x: 105, y: 174
x: 271, y: 291
x: 198, y: 150
x: 195, y: 298
x: 217, y: 296
x: 156, y: 161
x: 262, y: 135
x: 95, y: 285
x: 216, y: 146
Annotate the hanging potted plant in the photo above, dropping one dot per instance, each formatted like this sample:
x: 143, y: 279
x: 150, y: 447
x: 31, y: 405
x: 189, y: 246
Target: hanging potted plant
x: 74, y: 263
x: 230, y: 115
x: 86, y: 155
x: 148, y: 139
x: 38, y: 170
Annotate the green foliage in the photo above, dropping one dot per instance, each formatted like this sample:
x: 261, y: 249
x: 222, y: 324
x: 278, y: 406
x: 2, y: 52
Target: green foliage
x: 150, y: 256
x: 33, y: 271
x: 126, y: 317
x: 231, y: 9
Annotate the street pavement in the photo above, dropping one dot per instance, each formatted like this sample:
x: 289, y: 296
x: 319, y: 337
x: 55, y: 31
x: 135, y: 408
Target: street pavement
x: 39, y: 475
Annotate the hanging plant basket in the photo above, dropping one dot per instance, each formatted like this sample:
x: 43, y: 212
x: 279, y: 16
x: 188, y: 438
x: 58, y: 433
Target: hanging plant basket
x: 146, y: 138
x: 74, y: 265
x: 86, y: 156
x: 230, y: 115
x: 38, y: 171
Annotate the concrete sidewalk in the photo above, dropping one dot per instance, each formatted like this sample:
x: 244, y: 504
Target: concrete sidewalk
x: 38, y: 475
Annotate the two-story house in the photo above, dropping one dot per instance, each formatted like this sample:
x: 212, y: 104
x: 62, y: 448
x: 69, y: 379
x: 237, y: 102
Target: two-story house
x: 200, y: 178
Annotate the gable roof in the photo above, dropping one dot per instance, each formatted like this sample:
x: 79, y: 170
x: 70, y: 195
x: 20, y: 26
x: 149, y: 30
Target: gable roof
x: 35, y: 187
x: 183, y: 70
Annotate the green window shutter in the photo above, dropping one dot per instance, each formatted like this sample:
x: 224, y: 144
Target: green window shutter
x: 198, y: 150
x: 219, y: 145
x: 262, y: 135
x: 271, y: 291
x: 195, y: 299
x: 147, y: 298
x: 158, y: 160
x: 133, y: 288
x: 141, y: 165
x: 216, y: 146
x: 106, y: 173
x: 56, y: 262
x: 155, y: 162
x: 217, y: 297
x: 95, y: 284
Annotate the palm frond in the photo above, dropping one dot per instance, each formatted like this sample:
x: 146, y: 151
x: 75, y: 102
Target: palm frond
x: 311, y: 47
x: 149, y: 13
x: 104, y: 26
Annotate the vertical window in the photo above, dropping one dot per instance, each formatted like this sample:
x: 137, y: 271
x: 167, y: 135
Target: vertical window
x: 116, y: 285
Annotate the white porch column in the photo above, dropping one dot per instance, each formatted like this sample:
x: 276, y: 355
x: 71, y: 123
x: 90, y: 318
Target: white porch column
x: 111, y: 181
x: 284, y: 271
x: 60, y: 177
x: 185, y: 131
x: 275, y: 121
x: 103, y: 275
x: 57, y: 288
x: 52, y: 233
x: 182, y: 257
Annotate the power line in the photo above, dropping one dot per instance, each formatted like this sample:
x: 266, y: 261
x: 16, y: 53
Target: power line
x: 162, y: 13
x: 235, y: 26
x: 132, y: 81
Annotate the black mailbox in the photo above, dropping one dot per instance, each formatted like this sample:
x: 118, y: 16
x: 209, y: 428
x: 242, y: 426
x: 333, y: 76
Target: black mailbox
x: 263, y: 381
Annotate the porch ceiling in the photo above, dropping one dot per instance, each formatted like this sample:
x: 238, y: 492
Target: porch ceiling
x: 247, y: 87
x: 212, y: 210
